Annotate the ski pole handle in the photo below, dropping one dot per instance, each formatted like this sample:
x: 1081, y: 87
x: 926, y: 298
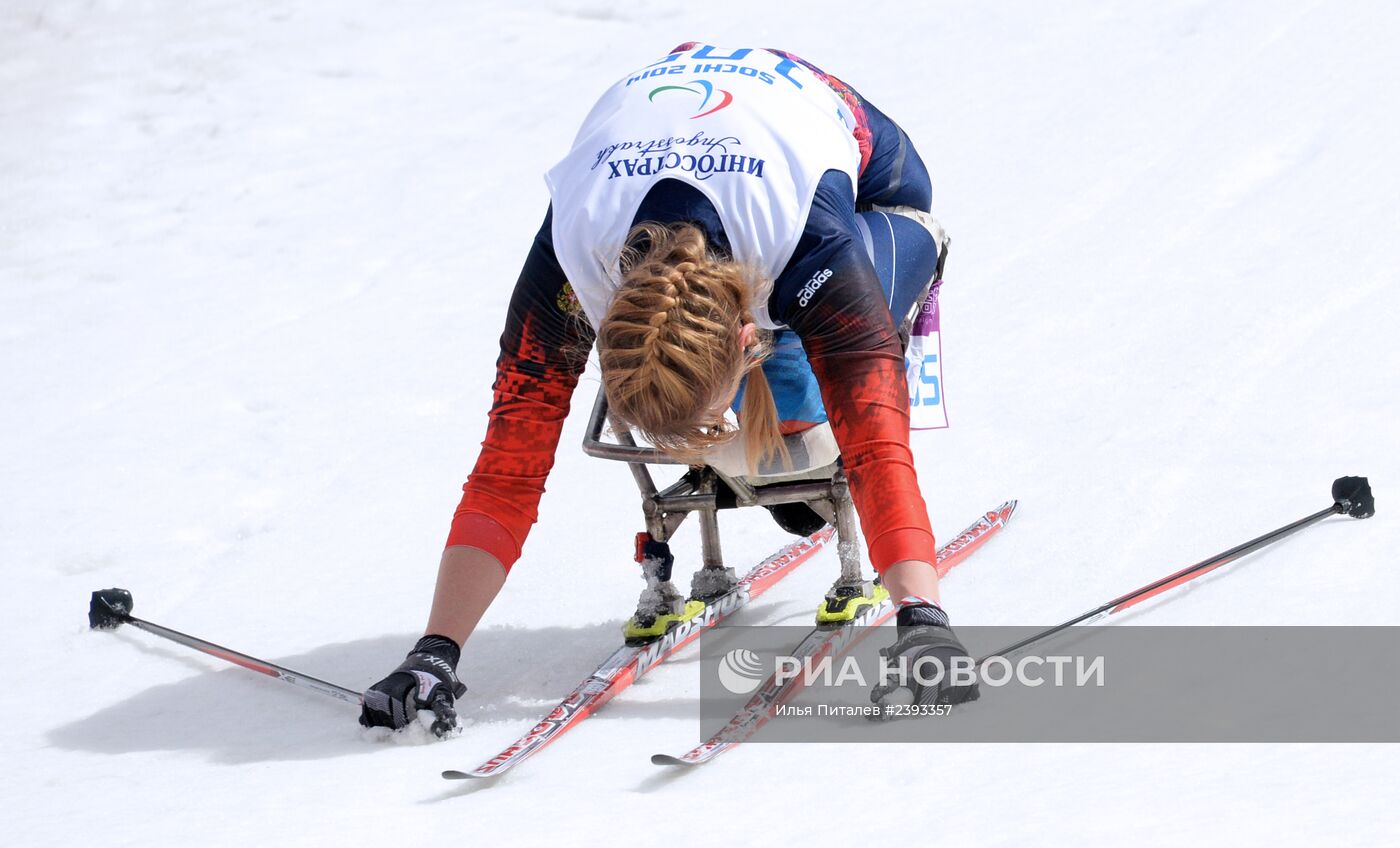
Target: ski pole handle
x: 1353, y: 497
x: 110, y: 608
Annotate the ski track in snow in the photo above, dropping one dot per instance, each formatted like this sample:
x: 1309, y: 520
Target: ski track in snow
x: 253, y: 265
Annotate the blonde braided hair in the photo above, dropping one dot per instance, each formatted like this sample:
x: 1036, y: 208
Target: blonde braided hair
x: 670, y: 347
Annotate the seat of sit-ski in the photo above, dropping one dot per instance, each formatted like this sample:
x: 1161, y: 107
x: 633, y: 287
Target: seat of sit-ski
x: 813, y: 451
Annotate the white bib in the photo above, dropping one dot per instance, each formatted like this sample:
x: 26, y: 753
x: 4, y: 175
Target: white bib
x: 752, y: 130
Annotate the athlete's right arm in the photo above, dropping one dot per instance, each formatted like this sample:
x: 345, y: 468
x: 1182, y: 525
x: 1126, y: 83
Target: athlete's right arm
x: 543, y: 351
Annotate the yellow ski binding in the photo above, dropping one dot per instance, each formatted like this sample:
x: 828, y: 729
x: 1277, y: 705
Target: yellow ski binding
x: 845, y: 603
x: 637, y: 633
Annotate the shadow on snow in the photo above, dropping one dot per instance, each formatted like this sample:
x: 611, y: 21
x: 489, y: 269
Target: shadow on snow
x: 514, y: 675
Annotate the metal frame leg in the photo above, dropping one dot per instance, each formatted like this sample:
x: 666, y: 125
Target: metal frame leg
x: 851, y: 586
x: 848, y: 541
x: 660, y: 597
x: 713, y: 579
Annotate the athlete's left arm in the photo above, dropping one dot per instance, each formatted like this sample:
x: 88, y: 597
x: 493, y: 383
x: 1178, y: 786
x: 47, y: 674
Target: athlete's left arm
x: 854, y: 347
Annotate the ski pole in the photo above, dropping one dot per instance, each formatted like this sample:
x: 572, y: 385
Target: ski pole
x: 111, y: 608
x: 1350, y: 495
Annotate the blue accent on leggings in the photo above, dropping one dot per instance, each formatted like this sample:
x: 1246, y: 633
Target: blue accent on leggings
x: 905, y: 257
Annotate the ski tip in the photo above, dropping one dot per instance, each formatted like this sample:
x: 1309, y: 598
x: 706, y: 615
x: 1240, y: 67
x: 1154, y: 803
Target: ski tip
x: 1009, y: 509
x: 453, y: 774
x: 667, y: 760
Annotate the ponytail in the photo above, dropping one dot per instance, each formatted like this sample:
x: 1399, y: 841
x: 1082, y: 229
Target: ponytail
x: 758, y: 421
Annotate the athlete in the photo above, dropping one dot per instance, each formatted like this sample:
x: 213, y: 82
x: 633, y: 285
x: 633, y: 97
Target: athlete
x: 716, y: 226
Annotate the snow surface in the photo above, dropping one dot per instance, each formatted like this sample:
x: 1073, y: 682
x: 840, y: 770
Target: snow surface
x: 254, y: 259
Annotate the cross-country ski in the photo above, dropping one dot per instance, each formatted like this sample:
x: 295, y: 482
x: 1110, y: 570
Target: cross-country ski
x: 828, y: 641
x: 630, y: 662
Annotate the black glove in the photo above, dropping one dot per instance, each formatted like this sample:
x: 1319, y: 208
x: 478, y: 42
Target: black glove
x: 427, y: 679
x: 924, y: 631
x: 1354, y: 494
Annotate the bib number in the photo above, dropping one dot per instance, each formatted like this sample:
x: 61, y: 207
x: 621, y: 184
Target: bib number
x: 923, y: 368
